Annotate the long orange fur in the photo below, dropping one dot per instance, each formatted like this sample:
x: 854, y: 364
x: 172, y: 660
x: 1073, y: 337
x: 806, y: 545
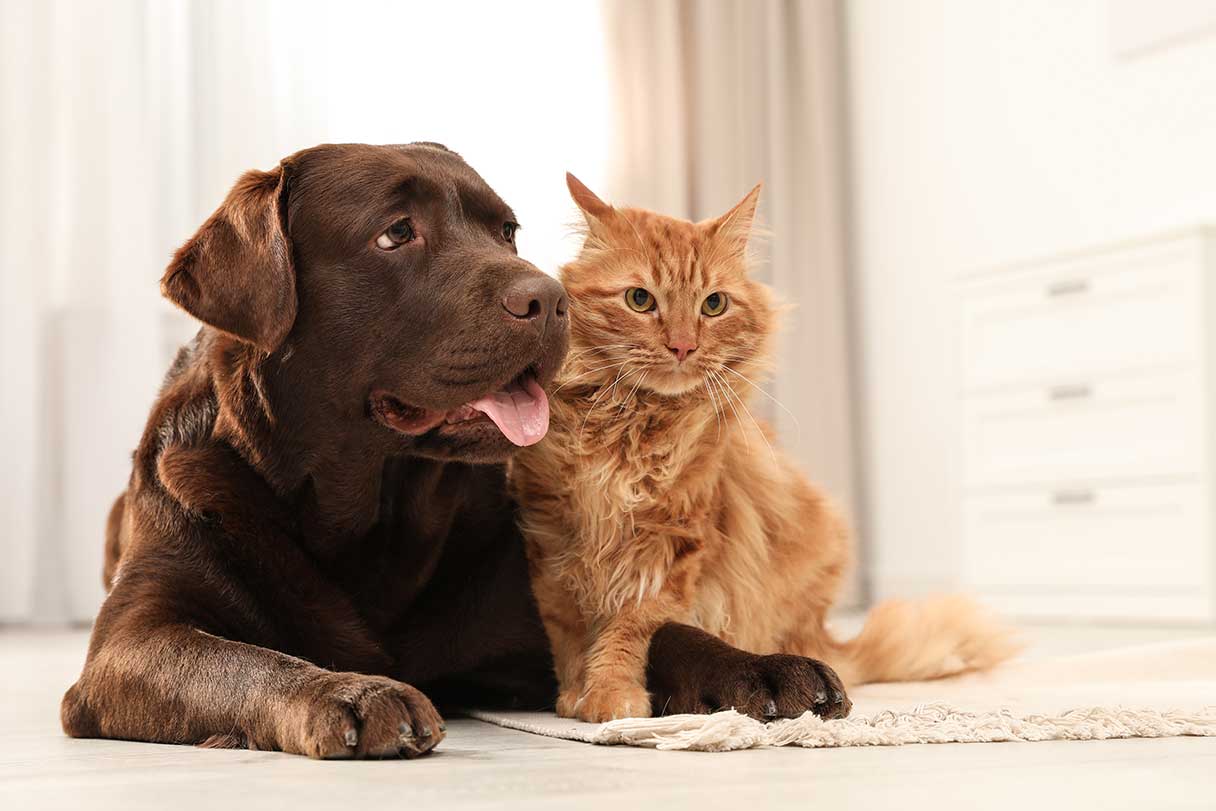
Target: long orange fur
x: 658, y: 496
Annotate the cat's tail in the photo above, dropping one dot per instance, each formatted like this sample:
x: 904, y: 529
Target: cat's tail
x: 928, y: 639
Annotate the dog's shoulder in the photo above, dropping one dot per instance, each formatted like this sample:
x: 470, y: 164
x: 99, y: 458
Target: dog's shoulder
x: 186, y: 406
x: 187, y: 475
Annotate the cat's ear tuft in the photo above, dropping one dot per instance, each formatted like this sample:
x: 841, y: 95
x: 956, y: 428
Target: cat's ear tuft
x: 734, y: 227
x: 593, y: 208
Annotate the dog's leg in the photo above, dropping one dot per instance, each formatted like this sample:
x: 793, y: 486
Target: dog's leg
x: 151, y: 680
x: 186, y: 648
x: 689, y: 670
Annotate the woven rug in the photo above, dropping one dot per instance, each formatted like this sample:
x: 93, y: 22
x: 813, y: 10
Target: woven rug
x: 1151, y: 691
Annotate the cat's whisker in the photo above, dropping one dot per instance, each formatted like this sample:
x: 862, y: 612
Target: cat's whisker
x: 603, y: 391
x: 781, y: 405
x: 581, y: 375
x: 598, y: 348
x: 726, y: 395
x: 632, y: 392
x: 597, y: 354
x: 615, y: 362
x: 624, y: 373
x: 713, y: 400
x: 607, y: 352
x: 759, y: 430
x: 641, y: 369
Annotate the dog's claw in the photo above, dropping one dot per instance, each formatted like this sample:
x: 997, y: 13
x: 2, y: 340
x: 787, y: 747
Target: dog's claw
x: 770, y: 709
x: 425, y: 732
x: 405, y: 730
x: 821, y: 697
x: 352, y: 737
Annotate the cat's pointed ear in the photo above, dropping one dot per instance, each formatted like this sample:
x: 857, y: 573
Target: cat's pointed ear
x: 734, y: 228
x: 236, y: 273
x: 595, y: 210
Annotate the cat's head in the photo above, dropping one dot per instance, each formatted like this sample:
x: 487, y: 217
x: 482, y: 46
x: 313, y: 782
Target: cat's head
x: 664, y: 303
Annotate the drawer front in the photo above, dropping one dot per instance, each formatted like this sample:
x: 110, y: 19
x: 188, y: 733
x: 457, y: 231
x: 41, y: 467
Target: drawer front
x: 1143, y: 539
x: 1084, y: 430
x: 1133, y: 309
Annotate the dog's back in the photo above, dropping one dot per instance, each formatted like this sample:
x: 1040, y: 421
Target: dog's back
x: 115, y: 540
x: 117, y: 528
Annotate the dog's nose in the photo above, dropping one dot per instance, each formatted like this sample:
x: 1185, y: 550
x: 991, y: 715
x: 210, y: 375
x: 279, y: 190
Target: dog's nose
x: 535, y: 298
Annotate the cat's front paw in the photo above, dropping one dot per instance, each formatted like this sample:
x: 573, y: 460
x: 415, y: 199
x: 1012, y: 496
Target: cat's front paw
x: 567, y: 702
x: 611, y: 701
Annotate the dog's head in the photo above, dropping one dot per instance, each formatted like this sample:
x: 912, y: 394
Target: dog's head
x: 387, y: 278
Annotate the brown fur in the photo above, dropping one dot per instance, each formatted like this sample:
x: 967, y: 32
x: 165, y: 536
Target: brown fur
x: 282, y: 562
x: 658, y: 497
x: 287, y: 572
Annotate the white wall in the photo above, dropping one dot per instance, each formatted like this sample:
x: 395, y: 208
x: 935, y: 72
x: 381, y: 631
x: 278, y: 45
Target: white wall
x: 986, y: 132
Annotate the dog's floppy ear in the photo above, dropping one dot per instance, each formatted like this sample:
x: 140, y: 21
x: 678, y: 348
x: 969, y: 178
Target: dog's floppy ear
x: 236, y: 273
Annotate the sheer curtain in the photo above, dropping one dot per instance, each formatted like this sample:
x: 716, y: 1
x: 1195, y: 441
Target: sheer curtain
x: 111, y: 155
x: 713, y: 96
x: 124, y: 123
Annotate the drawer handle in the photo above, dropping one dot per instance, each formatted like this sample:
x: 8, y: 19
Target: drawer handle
x: 1068, y: 287
x: 1071, y: 391
x: 1068, y: 498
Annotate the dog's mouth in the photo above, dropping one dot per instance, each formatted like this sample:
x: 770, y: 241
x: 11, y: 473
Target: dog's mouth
x: 520, y: 411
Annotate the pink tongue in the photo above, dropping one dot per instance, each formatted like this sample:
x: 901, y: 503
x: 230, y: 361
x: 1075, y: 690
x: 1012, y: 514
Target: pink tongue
x: 521, y: 412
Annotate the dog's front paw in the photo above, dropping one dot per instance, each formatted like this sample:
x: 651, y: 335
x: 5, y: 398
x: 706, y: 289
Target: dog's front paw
x: 606, y: 702
x: 766, y: 687
x: 348, y: 715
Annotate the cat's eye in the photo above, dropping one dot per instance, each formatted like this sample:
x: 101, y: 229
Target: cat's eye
x: 639, y: 299
x: 508, y: 231
x: 714, y: 304
x: 396, y: 235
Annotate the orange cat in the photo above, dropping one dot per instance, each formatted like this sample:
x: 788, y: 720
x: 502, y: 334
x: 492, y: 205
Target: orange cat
x: 657, y: 496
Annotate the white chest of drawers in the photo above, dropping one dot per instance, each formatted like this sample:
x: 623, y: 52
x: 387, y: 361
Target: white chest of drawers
x: 1088, y: 397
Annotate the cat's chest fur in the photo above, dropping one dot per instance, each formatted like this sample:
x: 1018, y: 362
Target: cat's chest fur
x: 619, y: 492
x: 639, y: 461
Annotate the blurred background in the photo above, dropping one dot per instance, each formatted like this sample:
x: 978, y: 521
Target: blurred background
x: 991, y: 215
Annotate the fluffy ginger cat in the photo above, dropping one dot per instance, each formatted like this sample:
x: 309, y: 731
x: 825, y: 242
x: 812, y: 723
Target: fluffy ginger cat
x: 657, y: 498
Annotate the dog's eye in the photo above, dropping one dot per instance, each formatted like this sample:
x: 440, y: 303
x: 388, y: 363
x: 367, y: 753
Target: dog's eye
x: 396, y: 235
x: 639, y: 300
x: 714, y: 304
x: 508, y: 231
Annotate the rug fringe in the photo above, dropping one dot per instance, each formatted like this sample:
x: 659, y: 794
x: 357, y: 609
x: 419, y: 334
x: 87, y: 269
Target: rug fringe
x: 927, y: 723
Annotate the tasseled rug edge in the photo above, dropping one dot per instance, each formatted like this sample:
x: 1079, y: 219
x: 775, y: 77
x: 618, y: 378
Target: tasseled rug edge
x: 928, y: 723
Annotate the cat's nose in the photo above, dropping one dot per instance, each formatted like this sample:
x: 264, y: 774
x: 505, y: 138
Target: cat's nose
x: 682, y: 348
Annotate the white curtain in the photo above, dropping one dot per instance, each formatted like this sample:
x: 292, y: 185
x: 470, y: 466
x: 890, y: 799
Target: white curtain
x: 103, y: 154
x: 713, y: 96
x: 124, y: 122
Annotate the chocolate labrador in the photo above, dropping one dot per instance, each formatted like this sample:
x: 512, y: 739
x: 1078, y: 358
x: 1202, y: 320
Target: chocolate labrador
x: 316, y: 518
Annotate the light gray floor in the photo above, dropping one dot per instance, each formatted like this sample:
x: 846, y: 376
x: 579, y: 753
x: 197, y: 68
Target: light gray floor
x: 481, y: 766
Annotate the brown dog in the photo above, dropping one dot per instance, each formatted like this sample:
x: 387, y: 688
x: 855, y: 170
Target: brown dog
x: 317, y: 514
